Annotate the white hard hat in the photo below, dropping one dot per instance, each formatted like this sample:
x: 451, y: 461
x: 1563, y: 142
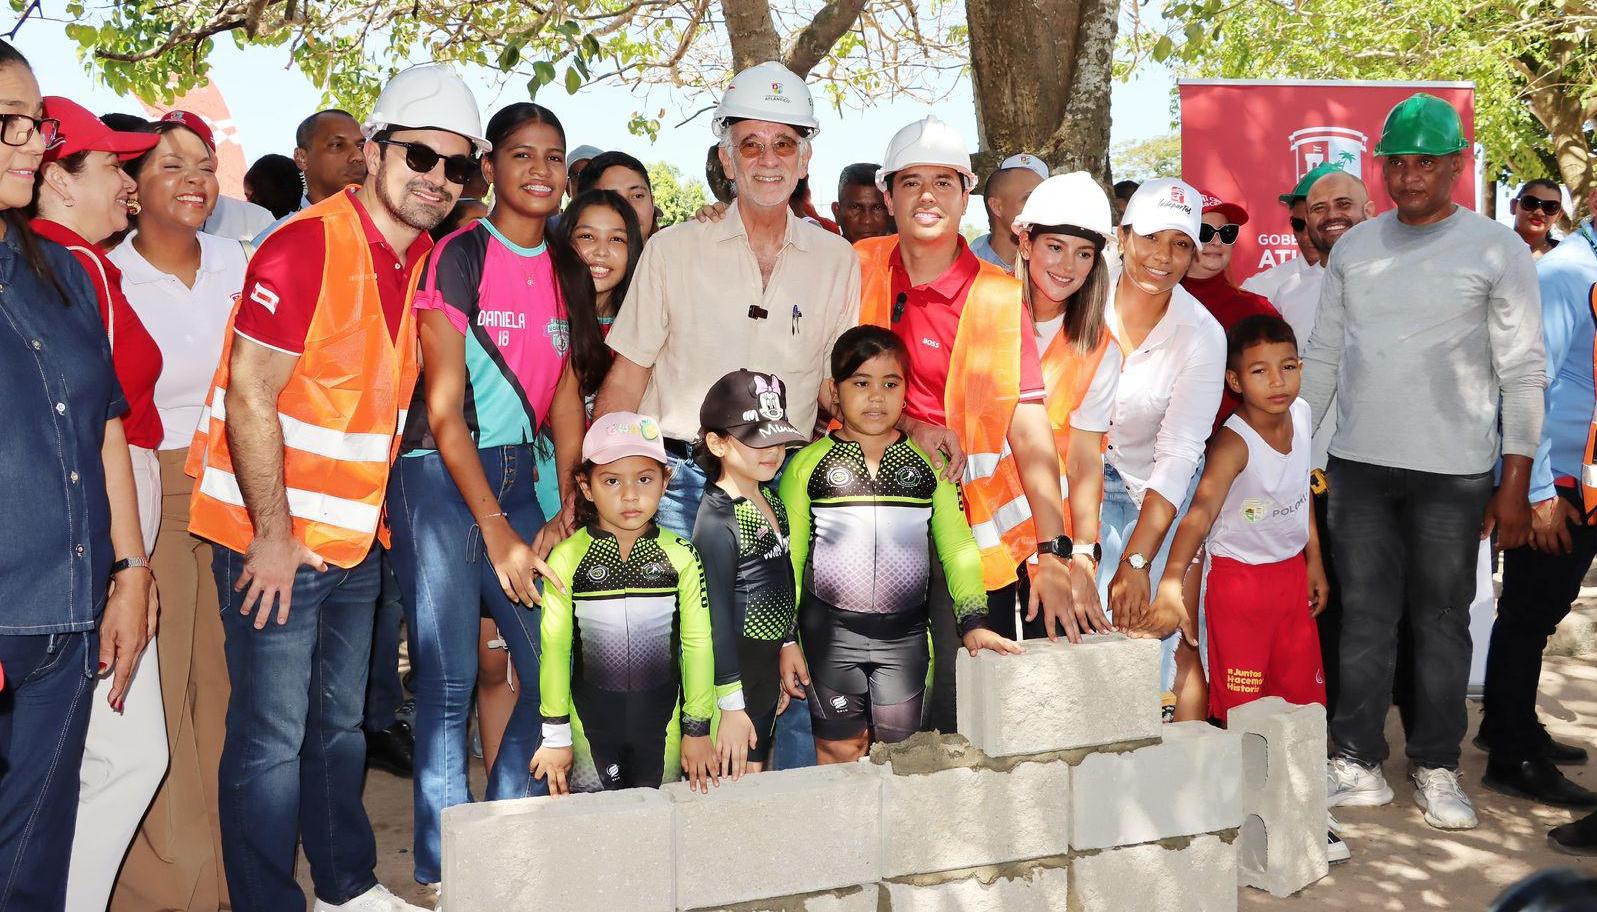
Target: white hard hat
x: 430, y: 96
x: 1073, y: 199
x: 766, y: 91
x: 1164, y: 204
x: 926, y: 142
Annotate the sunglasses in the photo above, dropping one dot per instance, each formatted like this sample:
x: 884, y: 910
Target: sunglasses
x: 422, y: 159
x: 1546, y: 206
x: 1299, y: 224
x: 18, y: 130
x: 1228, y: 233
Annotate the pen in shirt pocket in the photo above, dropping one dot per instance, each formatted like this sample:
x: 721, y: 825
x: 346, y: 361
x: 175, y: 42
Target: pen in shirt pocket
x: 796, y: 315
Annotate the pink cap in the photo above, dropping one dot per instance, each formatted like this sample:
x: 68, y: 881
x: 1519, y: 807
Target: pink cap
x: 622, y: 434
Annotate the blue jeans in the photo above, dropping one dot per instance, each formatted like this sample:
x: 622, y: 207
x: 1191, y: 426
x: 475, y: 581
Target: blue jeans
x: 1118, y: 522
x: 44, y: 719
x: 384, y: 691
x: 447, y: 580
x: 794, y: 745
x: 294, y: 758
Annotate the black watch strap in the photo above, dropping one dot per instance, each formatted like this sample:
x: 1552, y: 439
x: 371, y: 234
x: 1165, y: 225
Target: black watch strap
x: 1059, y: 545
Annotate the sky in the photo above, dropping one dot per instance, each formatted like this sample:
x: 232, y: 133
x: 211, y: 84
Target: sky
x: 267, y: 99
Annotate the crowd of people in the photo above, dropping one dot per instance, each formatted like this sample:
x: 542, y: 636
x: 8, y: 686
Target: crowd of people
x: 455, y: 379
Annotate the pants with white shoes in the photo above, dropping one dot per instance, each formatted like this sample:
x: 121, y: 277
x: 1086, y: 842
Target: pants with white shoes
x: 1405, y: 542
x: 125, y: 754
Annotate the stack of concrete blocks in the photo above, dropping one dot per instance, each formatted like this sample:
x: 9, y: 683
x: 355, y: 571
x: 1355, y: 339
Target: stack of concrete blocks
x: 1283, y: 794
x: 1069, y: 796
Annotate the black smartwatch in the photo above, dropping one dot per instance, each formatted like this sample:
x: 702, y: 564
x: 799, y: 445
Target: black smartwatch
x: 1060, y: 546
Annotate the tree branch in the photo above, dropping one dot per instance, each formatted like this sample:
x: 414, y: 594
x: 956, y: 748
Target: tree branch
x: 752, y: 32
x: 811, y: 45
x: 176, y: 39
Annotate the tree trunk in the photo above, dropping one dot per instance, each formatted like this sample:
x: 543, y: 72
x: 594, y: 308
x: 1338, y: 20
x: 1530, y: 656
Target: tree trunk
x: 1041, y: 70
x: 751, y: 32
x: 1562, y: 112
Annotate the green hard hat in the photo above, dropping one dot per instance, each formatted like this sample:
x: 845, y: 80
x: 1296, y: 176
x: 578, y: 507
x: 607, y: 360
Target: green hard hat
x: 1301, y: 191
x: 1422, y: 124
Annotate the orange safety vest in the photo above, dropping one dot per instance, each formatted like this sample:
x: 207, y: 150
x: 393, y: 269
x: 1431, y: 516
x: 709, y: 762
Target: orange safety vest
x: 979, y: 400
x: 1067, y: 376
x: 342, y: 411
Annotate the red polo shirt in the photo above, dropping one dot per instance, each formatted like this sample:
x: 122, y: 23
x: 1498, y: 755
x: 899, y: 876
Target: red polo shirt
x: 928, y: 323
x: 284, y: 281
x: 134, y: 354
x: 1229, y: 305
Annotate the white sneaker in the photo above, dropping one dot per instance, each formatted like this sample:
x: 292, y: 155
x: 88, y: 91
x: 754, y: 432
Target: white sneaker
x: 377, y: 899
x: 1350, y: 784
x: 1440, y: 794
x: 1336, y: 851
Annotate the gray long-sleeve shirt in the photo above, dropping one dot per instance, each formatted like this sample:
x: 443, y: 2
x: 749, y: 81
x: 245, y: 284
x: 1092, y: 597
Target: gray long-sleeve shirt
x: 1422, y: 332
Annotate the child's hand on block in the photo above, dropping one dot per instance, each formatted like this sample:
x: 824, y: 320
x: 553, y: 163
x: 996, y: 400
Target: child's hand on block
x: 698, y: 764
x: 553, y: 764
x: 982, y: 638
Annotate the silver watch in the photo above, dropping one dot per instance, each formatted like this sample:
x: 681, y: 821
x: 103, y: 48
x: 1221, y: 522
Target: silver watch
x: 1136, y: 560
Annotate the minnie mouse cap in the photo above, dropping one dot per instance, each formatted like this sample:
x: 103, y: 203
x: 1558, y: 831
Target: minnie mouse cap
x: 752, y: 407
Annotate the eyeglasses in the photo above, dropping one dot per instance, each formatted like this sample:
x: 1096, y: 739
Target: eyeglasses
x: 753, y: 150
x: 18, y: 130
x: 1534, y: 203
x: 422, y: 159
x: 1299, y: 224
x: 1228, y: 233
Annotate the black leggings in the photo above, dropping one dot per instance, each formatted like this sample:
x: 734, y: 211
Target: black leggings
x: 866, y: 671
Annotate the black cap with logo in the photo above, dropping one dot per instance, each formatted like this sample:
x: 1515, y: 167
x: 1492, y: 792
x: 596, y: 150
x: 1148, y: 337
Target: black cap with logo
x: 752, y: 407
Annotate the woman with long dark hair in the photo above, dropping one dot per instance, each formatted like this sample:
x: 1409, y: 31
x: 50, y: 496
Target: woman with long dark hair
x: 505, y: 309
x: 75, y: 585
x: 625, y: 175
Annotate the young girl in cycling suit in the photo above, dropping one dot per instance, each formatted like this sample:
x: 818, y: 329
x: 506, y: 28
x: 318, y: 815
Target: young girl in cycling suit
x: 741, y: 534
x: 865, y: 506
x: 627, y: 678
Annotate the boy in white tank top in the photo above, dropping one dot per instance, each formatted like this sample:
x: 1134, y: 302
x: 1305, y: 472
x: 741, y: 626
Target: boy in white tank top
x: 1265, y: 583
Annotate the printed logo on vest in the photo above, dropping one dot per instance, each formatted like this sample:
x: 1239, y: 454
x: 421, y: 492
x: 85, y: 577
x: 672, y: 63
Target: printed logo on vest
x: 559, y: 333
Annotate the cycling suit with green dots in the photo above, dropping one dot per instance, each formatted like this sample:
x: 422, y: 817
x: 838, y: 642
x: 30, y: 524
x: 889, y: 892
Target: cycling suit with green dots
x: 749, y: 576
x: 624, y: 655
x: 862, y: 552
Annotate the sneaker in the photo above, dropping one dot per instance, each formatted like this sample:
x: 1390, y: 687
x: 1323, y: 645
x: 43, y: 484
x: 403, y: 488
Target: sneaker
x: 1351, y: 784
x: 1336, y: 851
x: 1441, y: 796
x: 377, y: 899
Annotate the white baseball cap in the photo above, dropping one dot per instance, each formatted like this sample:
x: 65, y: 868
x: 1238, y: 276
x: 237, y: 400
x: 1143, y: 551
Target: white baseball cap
x: 1028, y: 161
x: 1165, y: 203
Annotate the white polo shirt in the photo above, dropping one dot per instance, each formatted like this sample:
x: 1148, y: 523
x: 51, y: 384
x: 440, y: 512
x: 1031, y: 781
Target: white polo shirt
x: 187, y: 324
x: 1168, y: 395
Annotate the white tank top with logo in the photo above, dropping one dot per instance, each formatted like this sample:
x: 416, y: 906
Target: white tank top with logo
x: 1265, y: 518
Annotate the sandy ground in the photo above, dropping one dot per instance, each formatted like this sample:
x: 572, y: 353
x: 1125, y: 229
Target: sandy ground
x: 1399, y: 863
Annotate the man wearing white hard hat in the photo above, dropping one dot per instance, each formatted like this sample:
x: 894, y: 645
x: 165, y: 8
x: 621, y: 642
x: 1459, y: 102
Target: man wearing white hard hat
x: 292, y: 462
x: 975, y: 385
x: 1004, y: 194
x: 760, y: 289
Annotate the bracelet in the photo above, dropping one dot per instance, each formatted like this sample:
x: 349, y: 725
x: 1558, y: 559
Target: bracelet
x: 128, y: 563
x: 492, y: 515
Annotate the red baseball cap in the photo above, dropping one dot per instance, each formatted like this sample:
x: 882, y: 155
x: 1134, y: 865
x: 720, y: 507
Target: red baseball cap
x: 194, y: 122
x: 1233, y: 213
x: 81, y: 131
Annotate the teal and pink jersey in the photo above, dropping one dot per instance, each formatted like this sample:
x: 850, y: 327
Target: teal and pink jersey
x: 506, y: 301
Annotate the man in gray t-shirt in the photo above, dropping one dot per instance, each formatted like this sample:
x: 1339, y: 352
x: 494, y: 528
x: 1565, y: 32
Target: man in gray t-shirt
x: 1428, y: 340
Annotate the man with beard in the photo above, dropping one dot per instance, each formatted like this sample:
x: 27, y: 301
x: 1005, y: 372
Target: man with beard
x: 1286, y: 278
x: 291, y: 464
x: 1538, y: 204
x: 1428, y: 340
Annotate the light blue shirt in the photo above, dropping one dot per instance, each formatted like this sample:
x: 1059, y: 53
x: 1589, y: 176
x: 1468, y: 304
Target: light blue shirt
x: 304, y: 202
x: 1566, y: 275
x: 983, y: 248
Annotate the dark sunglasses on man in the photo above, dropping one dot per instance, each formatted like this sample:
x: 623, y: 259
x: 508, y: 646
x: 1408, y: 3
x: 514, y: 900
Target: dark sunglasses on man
x: 1299, y: 224
x: 18, y: 130
x: 422, y: 159
x: 1228, y: 233
x: 1535, y: 203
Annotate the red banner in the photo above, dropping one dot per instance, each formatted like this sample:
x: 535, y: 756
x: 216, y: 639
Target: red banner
x: 1249, y: 142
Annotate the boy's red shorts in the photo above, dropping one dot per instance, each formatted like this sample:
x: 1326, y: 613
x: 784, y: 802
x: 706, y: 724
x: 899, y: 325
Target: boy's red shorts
x: 1262, y: 640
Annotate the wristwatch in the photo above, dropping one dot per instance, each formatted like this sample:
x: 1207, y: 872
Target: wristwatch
x: 1093, y: 550
x: 1059, y: 545
x: 128, y: 563
x: 1136, y: 560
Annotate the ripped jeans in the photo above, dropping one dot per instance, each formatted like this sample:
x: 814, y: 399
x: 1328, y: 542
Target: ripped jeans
x: 1405, y: 541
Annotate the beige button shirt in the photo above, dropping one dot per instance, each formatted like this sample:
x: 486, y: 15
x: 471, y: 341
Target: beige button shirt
x: 686, y: 315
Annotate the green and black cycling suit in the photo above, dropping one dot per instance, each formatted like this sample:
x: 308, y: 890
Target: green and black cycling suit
x: 749, y: 577
x: 625, y: 654
x: 862, y: 553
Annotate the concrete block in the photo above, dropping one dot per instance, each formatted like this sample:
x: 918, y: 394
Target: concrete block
x: 1183, y: 875
x: 1190, y: 783
x: 864, y: 898
x: 1035, y: 888
x: 777, y: 834
x: 496, y: 854
x: 1060, y: 696
x: 1283, y: 794
x: 945, y: 806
